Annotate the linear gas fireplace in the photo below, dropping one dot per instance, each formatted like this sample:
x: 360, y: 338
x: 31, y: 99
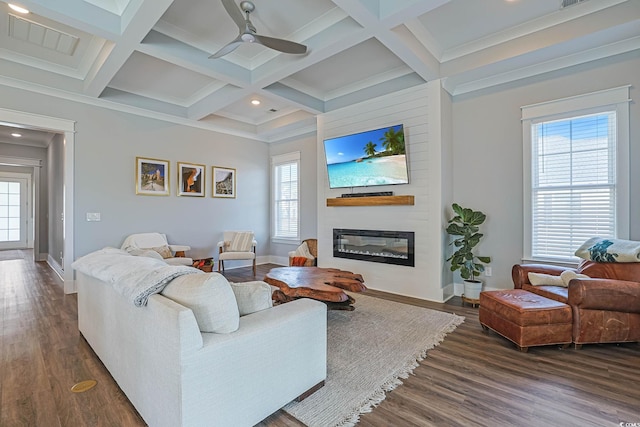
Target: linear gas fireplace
x: 388, y: 247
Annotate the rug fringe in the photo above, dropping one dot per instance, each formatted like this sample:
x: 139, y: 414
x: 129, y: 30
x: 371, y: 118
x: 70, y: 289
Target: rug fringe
x: 379, y: 395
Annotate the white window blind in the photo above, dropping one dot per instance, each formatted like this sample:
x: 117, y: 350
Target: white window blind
x: 286, y: 196
x: 573, y: 184
x: 576, y: 173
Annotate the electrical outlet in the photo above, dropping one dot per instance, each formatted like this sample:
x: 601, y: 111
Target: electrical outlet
x: 93, y: 216
x: 487, y: 271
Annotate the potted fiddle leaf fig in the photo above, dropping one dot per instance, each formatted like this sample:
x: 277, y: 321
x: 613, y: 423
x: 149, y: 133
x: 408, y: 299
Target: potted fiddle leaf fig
x: 464, y: 226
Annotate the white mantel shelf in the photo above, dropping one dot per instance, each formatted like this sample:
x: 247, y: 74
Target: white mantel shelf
x: 372, y: 201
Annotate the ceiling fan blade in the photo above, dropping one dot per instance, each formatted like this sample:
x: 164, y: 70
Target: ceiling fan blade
x: 281, y: 45
x: 227, y: 49
x: 234, y: 12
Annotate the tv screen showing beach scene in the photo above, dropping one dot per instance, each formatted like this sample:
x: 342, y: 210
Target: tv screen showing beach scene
x: 375, y: 157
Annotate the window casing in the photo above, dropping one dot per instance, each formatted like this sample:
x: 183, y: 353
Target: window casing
x: 286, y: 197
x: 576, y: 173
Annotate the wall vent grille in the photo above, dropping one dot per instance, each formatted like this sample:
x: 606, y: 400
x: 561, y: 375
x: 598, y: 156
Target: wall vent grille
x: 41, y: 35
x: 567, y: 3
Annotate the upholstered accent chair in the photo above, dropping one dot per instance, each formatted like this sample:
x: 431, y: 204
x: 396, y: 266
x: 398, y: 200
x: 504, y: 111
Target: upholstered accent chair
x: 155, y: 245
x: 237, y: 245
x: 308, y: 249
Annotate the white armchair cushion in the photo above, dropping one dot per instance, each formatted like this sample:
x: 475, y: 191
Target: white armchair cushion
x: 252, y: 296
x: 211, y: 299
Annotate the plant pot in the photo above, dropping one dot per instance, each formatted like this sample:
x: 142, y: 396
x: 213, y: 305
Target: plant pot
x: 472, y: 289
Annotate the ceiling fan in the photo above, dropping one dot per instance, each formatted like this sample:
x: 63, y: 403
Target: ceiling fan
x: 248, y: 32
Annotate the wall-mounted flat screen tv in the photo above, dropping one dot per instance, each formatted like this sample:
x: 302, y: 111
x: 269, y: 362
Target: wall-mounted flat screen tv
x: 375, y: 157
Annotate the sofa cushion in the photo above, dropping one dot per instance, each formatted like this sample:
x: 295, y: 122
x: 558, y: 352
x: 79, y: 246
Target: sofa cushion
x: 252, y: 296
x: 211, y: 299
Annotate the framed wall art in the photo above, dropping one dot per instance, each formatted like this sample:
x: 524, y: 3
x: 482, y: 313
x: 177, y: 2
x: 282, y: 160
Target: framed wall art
x: 152, y: 177
x: 224, y: 182
x: 191, y: 179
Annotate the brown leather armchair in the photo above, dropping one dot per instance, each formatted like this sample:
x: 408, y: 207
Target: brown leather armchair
x: 605, y: 307
x: 312, y: 244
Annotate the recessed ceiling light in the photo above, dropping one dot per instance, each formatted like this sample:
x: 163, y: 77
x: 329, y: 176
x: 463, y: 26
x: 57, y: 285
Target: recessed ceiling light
x: 16, y: 134
x: 18, y: 9
x: 255, y: 101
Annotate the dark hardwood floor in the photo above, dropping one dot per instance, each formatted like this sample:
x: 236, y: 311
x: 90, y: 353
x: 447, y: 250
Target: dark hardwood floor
x: 471, y: 379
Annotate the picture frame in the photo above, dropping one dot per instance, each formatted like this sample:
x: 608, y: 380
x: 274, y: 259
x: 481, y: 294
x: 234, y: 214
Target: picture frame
x: 152, y: 177
x: 191, y: 179
x: 224, y: 182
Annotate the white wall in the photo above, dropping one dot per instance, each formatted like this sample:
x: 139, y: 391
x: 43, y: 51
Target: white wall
x: 488, y: 153
x: 306, y: 145
x: 55, y: 189
x: 106, y: 145
x: 423, y: 137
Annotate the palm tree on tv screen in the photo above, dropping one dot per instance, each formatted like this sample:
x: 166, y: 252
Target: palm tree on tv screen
x: 370, y: 149
x: 393, y: 141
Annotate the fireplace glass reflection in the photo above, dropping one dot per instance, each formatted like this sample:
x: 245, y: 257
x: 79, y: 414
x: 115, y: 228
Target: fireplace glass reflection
x: 388, y: 247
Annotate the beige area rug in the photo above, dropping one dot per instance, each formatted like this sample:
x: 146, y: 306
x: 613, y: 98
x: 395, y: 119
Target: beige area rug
x: 369, y: 351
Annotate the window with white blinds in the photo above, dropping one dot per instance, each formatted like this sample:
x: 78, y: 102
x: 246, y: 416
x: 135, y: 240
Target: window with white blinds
x: 577, y: 179
x: 286, y: 201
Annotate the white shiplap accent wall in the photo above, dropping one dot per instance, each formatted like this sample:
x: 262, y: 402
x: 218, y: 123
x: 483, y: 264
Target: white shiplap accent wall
x: 412, y: 108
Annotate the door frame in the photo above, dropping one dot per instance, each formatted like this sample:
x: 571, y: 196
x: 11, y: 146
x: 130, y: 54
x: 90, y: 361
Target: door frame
x: 67, y: 128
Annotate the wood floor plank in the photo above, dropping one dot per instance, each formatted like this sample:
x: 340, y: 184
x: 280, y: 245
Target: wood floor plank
x: 473, y: 378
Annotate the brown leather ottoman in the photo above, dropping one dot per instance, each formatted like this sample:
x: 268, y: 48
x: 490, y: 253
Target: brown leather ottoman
x: 525, y: 318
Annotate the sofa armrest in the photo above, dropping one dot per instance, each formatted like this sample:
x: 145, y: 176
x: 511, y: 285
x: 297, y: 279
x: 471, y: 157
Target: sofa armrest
x: 520, y: 272
x: 605, y: 294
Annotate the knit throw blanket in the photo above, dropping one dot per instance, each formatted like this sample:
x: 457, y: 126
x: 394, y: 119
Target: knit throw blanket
x: 134, y: 277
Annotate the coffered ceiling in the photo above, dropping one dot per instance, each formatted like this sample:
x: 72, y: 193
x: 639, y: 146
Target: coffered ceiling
x: 151, y: 57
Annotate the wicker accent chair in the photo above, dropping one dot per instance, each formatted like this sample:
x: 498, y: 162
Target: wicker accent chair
x: 312, y: 244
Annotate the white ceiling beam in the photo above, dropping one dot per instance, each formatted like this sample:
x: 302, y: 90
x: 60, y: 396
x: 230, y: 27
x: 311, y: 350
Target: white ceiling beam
x: 217, y: 100
x: 141, y: 17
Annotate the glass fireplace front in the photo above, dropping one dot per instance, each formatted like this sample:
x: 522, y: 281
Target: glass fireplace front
x: 388, y: 247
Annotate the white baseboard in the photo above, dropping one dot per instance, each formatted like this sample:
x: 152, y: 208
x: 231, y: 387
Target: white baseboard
x: 459, y: 288
x: 55, y: 267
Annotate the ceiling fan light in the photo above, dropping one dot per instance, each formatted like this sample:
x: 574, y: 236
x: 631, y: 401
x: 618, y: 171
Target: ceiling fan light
x: 18, y: 9
x: 248, y: 38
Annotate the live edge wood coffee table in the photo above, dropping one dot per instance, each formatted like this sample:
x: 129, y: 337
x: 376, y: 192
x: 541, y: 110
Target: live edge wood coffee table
x: 322, y: 284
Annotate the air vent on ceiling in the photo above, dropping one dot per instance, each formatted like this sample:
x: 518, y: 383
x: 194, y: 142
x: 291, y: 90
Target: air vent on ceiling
x: 272, y: 110
x: 567, y: 3
x: 38, y: 34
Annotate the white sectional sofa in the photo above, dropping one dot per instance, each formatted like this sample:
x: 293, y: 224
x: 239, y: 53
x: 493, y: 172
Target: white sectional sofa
x: 176, y: 375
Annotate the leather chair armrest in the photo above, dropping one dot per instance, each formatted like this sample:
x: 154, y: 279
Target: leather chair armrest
x: 520, y: 272
x: 605, y: 294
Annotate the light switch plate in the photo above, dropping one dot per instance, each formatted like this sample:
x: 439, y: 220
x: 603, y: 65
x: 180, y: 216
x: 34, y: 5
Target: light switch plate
x: 93, y: 216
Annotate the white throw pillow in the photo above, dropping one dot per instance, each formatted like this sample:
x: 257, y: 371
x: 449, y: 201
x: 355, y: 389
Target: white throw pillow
x: 252, y: 296
x: 567, y: 275
x: 540, y: 279
x: 211, y: 299
x: 303, y: 250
